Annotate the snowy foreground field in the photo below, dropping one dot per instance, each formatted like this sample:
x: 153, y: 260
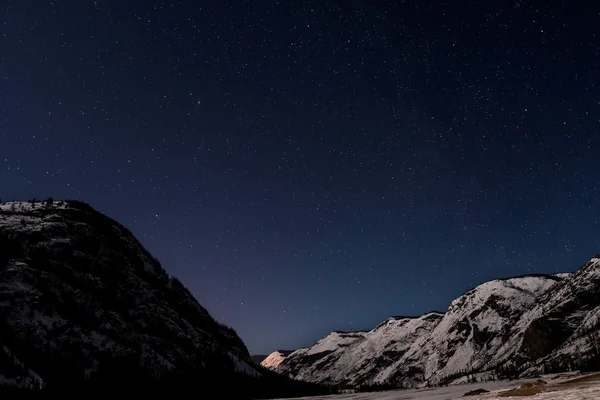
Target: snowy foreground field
x: 556, y: 387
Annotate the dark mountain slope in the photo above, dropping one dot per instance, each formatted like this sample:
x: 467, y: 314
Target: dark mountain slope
x: 82, y: 303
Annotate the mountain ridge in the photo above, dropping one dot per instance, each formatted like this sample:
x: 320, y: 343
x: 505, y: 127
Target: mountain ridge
x: 468, y: 340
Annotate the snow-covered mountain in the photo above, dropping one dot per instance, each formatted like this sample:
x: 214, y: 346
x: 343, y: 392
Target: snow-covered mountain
x: 477, y: 324
x: 360, y: 357
x: 76, y: 286
x: 273, y: 360
x: 522, y: 325
x: 85, y: 308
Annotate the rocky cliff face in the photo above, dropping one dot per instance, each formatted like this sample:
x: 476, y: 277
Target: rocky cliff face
x: 470, y: 336
x: 80, y: 295
x: 564, y: 327
x: 523, y: 325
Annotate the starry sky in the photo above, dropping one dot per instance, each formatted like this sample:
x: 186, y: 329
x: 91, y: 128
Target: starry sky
x: 307, y: 166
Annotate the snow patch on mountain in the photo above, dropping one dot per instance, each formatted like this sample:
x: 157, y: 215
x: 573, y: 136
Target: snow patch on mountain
x: 242, y: 366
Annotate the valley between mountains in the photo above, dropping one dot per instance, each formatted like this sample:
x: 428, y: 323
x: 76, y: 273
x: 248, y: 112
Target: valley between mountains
x: 85, y: 309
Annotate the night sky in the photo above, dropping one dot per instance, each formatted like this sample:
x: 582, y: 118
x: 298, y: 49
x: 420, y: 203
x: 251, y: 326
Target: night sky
x: 314, y: 165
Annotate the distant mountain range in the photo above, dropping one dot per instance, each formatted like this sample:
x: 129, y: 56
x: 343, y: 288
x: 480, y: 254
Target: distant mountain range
x: 503, y: 328
x: 85, y: 309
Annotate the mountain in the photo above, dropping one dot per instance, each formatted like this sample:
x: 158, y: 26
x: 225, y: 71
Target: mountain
x: 356, y: 358
x: 517, y: 326
x: 273, y: 360
x: 83, y: 304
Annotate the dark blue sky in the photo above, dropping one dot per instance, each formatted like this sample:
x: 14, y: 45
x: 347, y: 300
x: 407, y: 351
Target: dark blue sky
x: 317, y: 165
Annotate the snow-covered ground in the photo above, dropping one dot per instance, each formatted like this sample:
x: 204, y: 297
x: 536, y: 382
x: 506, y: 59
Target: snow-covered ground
x: 591, y: 393
x: 587, y: 391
